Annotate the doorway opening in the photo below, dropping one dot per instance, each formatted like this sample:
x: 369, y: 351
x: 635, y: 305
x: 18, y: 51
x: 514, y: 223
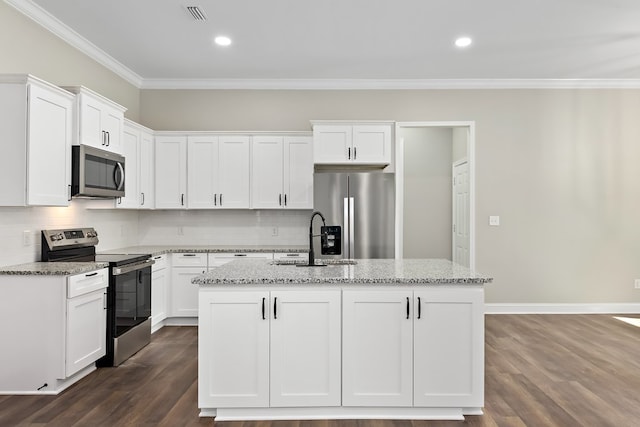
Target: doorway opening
x: 435, y: 191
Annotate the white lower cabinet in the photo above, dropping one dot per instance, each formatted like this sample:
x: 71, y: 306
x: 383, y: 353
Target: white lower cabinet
x: 422, y: 348
x: 378, y: 345
x: 184, y: 294
x: 159, y: 290
x: 277, y: 348
x: 86, y: 330
x: 63, y: 337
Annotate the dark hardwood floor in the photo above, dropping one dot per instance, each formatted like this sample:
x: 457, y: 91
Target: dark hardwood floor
x: 541, y: 370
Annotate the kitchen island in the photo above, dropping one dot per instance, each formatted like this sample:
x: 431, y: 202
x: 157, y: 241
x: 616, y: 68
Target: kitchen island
x: 395, y: 339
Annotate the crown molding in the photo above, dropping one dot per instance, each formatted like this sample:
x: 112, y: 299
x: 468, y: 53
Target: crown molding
x: 389, y: 84
x: 58, y: 28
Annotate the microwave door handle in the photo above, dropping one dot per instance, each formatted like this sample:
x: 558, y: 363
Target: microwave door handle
x: 121, y: 183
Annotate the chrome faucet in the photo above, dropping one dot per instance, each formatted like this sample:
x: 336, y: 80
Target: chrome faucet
x: 312, y: 260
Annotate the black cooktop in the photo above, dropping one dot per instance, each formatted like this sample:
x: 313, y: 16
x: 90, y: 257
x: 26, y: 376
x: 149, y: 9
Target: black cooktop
x: 116, y: 260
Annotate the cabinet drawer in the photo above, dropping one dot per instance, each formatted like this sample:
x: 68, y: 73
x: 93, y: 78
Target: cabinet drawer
x: 84, y: 283
x: 160, y: 262
x: 189, y: 259
x: 291, y: 255
x: 218, y: 259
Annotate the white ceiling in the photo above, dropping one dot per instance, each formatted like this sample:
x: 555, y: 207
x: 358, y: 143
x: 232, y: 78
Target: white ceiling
x: 353, y: 43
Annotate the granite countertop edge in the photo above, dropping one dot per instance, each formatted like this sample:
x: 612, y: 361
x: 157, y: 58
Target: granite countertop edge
x: 52, y: 268
x: 205, y: 282
x: 155, y: 250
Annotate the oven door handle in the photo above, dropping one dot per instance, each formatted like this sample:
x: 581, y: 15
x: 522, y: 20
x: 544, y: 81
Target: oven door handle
x: 129, y: 268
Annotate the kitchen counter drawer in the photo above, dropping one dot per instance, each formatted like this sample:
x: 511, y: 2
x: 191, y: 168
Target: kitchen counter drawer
x: 160, y: 262
x: 189, y: 259
x: 81, y: 284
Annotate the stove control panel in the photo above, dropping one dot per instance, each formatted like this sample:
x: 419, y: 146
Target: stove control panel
x: 67, y: 238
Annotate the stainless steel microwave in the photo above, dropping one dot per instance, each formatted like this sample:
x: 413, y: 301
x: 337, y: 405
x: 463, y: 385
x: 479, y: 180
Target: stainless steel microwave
x: 96, y: 173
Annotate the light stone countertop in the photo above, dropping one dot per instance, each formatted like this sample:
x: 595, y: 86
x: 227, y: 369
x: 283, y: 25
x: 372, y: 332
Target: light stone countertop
x: 52, y: 268
x: 155, y: 250
x: 365, y: 271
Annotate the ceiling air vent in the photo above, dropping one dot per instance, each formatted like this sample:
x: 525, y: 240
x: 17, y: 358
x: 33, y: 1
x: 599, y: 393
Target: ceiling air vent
x: 196, y: 13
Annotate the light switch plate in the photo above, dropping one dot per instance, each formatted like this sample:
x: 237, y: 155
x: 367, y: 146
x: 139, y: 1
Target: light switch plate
x: 494, y: 220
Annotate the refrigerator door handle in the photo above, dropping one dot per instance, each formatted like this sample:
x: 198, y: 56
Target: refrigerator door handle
x: 345, y: 235
x: 352, y: 240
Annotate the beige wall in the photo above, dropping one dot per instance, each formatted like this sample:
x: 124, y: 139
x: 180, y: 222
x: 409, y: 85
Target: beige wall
x: 427, y: 192
x: 26, y: 47
x: 560, y: 167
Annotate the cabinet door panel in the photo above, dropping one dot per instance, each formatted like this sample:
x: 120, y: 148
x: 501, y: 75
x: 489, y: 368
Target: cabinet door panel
x: 449, y: 349
x: 184, y: 294
x: 267, y: 173
x: 377, y: 349
x: 130, y: 150
x: 371, y: 144
x: 91, y: 125
x: 49, y: 148
x: 159, y: 282
x: 203, y: 172
x: 170, y: 172
x: 145, y: 164
x: 305, y: 349
x: 86, y: 331
x: 233, y: 355
x: 112, y: 122
x: 332, y: 144
x: 298, y: 172
x: 234, y: 172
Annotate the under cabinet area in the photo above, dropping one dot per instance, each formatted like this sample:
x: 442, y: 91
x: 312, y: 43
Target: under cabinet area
x: 278, y: 363
x: 342, y: 143
x: 37, y: 134
x: 65, y: 334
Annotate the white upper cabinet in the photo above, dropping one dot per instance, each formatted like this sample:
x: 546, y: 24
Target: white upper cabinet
x: 37, y: 134
x: 99, y: 121
x: 171, y: 172
x: 219, y: 168
x: 282, y: 172
x: 137, y: 148
x: 352, y: 143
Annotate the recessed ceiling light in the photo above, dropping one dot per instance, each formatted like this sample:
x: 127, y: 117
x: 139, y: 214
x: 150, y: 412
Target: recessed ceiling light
x: 463, y: 41
x: 222, y: 41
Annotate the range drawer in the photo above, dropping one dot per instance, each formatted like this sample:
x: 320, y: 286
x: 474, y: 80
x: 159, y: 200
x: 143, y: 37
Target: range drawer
x: 84, y: 283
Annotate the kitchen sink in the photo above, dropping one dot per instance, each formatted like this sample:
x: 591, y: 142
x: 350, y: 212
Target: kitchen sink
x: 318, y: 261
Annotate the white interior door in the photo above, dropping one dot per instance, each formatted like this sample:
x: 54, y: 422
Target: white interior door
x: 461, y: 217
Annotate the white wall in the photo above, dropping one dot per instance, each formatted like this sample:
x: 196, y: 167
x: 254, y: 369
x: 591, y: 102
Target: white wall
x: 427, y: 192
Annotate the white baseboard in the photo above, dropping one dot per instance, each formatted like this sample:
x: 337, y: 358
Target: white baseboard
x: 596, y: 308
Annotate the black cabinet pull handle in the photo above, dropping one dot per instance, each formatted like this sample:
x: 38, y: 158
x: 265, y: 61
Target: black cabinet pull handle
x: 239, y: 254
x: 407, y: 307
x: 220, y: 199
x: 142, y: 194
x: 349, y: 153
x: 280, y: 199
x: 182, y: 199
x: 104, y: 138
x: 91, y: 274
x: 188, y: 254
x: 108, y: 139
x: 69, y: 189
x: 263, y: 313
x: 215, y: 199
x: 285, y: 199
x: 354, y: 153
x: 419, y: 308
x: 275, y: 308
x: 119, y: 200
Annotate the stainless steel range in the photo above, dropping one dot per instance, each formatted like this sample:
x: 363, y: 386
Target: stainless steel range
x: 128, y: 295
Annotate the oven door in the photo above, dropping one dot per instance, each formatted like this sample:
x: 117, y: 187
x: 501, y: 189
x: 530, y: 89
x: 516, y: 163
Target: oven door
x: 132, y: 286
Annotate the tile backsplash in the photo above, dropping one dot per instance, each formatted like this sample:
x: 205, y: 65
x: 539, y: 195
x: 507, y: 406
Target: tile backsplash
x: 20, y: 227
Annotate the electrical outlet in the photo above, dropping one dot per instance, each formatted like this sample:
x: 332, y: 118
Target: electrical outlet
x: 636, y: 283
x: 494, y: 220
x: 274, y: 231
x: 26, y: 238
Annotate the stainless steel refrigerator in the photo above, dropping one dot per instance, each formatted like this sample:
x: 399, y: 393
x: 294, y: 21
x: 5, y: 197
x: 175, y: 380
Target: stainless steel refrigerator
x: 363, y: 204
